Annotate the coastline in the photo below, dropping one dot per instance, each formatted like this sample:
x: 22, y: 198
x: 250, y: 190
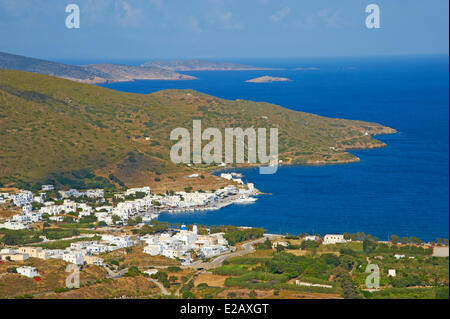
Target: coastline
x: 354, y: 158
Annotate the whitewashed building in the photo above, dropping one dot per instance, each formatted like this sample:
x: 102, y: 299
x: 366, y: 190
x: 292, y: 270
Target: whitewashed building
x: 23, y: 198
x: 392, y: 273
x: 27, y: 271
x: 73, y: 257
x: 333, y: 239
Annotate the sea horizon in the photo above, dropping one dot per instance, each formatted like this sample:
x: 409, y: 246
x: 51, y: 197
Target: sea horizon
x: 253, y: 61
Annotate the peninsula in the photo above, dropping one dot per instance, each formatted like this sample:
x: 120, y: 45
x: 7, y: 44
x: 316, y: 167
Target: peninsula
x: 91, y: 74
x: 125, y: 73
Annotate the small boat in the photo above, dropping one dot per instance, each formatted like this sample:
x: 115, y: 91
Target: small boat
x: 245, y: 200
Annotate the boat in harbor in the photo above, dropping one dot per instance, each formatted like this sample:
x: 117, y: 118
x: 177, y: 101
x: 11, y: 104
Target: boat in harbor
x: 245, y: 200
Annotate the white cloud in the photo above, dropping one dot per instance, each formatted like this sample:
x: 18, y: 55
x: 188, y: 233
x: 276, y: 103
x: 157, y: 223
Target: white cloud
x: 331, y: 19
x: 226, y: 21
x: 15, y: 7
x: 226, y: 16
x: 193, y: 24
x: 157, y: 3
x: 324, y: 17
x: 280, y: 14
x: 126, y: 14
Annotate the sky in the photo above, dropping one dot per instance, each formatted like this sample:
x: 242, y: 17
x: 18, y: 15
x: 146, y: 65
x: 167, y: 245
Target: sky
x: 220, y: 29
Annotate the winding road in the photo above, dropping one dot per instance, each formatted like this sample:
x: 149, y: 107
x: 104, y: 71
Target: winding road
x: 160, y: 286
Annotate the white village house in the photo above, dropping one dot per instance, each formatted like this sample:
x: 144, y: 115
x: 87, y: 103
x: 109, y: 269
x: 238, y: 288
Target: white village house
x: 27, y: 271
x: 333, y: 239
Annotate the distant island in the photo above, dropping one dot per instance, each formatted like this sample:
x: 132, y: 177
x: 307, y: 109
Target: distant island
x: 201, y: 65
x: 307, y: 69
x: 268, y: 79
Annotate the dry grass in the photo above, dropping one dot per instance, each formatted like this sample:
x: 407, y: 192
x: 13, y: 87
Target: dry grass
x: 52, y: 272
x: 6, y: 213
x: 125, y: 287
x: 270, y: 294
x: 297, y: 252
x: 211, y: 279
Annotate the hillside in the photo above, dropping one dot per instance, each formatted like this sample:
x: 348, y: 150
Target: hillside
x: 72, y: 72
x: 93, y: 74
x: 61, y: 131
x: 200, y: 65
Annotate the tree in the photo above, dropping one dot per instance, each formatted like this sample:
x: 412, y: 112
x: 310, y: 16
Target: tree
x: 115, y: 219
x: 36, y: 206
x: 266, y: 245
x: 139, y: 195
x: 405, y: 240
x: 67, y: 219
x: 349, y: 290
x: 188, y: 295
x: 133, y: 271
x: 203, y: 285
x: 369, y: 245
x: 415, y: 240
x: 280, y: 248
x: 309, y: 244
x: 11, y: 270
x: 131, y: 222
x: 361, y: 236
x: 173, y: 269
x: 395, y: 239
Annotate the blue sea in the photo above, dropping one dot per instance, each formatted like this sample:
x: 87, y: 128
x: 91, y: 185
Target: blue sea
x: 402, y: 189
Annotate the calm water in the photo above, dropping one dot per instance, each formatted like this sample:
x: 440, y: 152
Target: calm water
x: 401, y: 189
